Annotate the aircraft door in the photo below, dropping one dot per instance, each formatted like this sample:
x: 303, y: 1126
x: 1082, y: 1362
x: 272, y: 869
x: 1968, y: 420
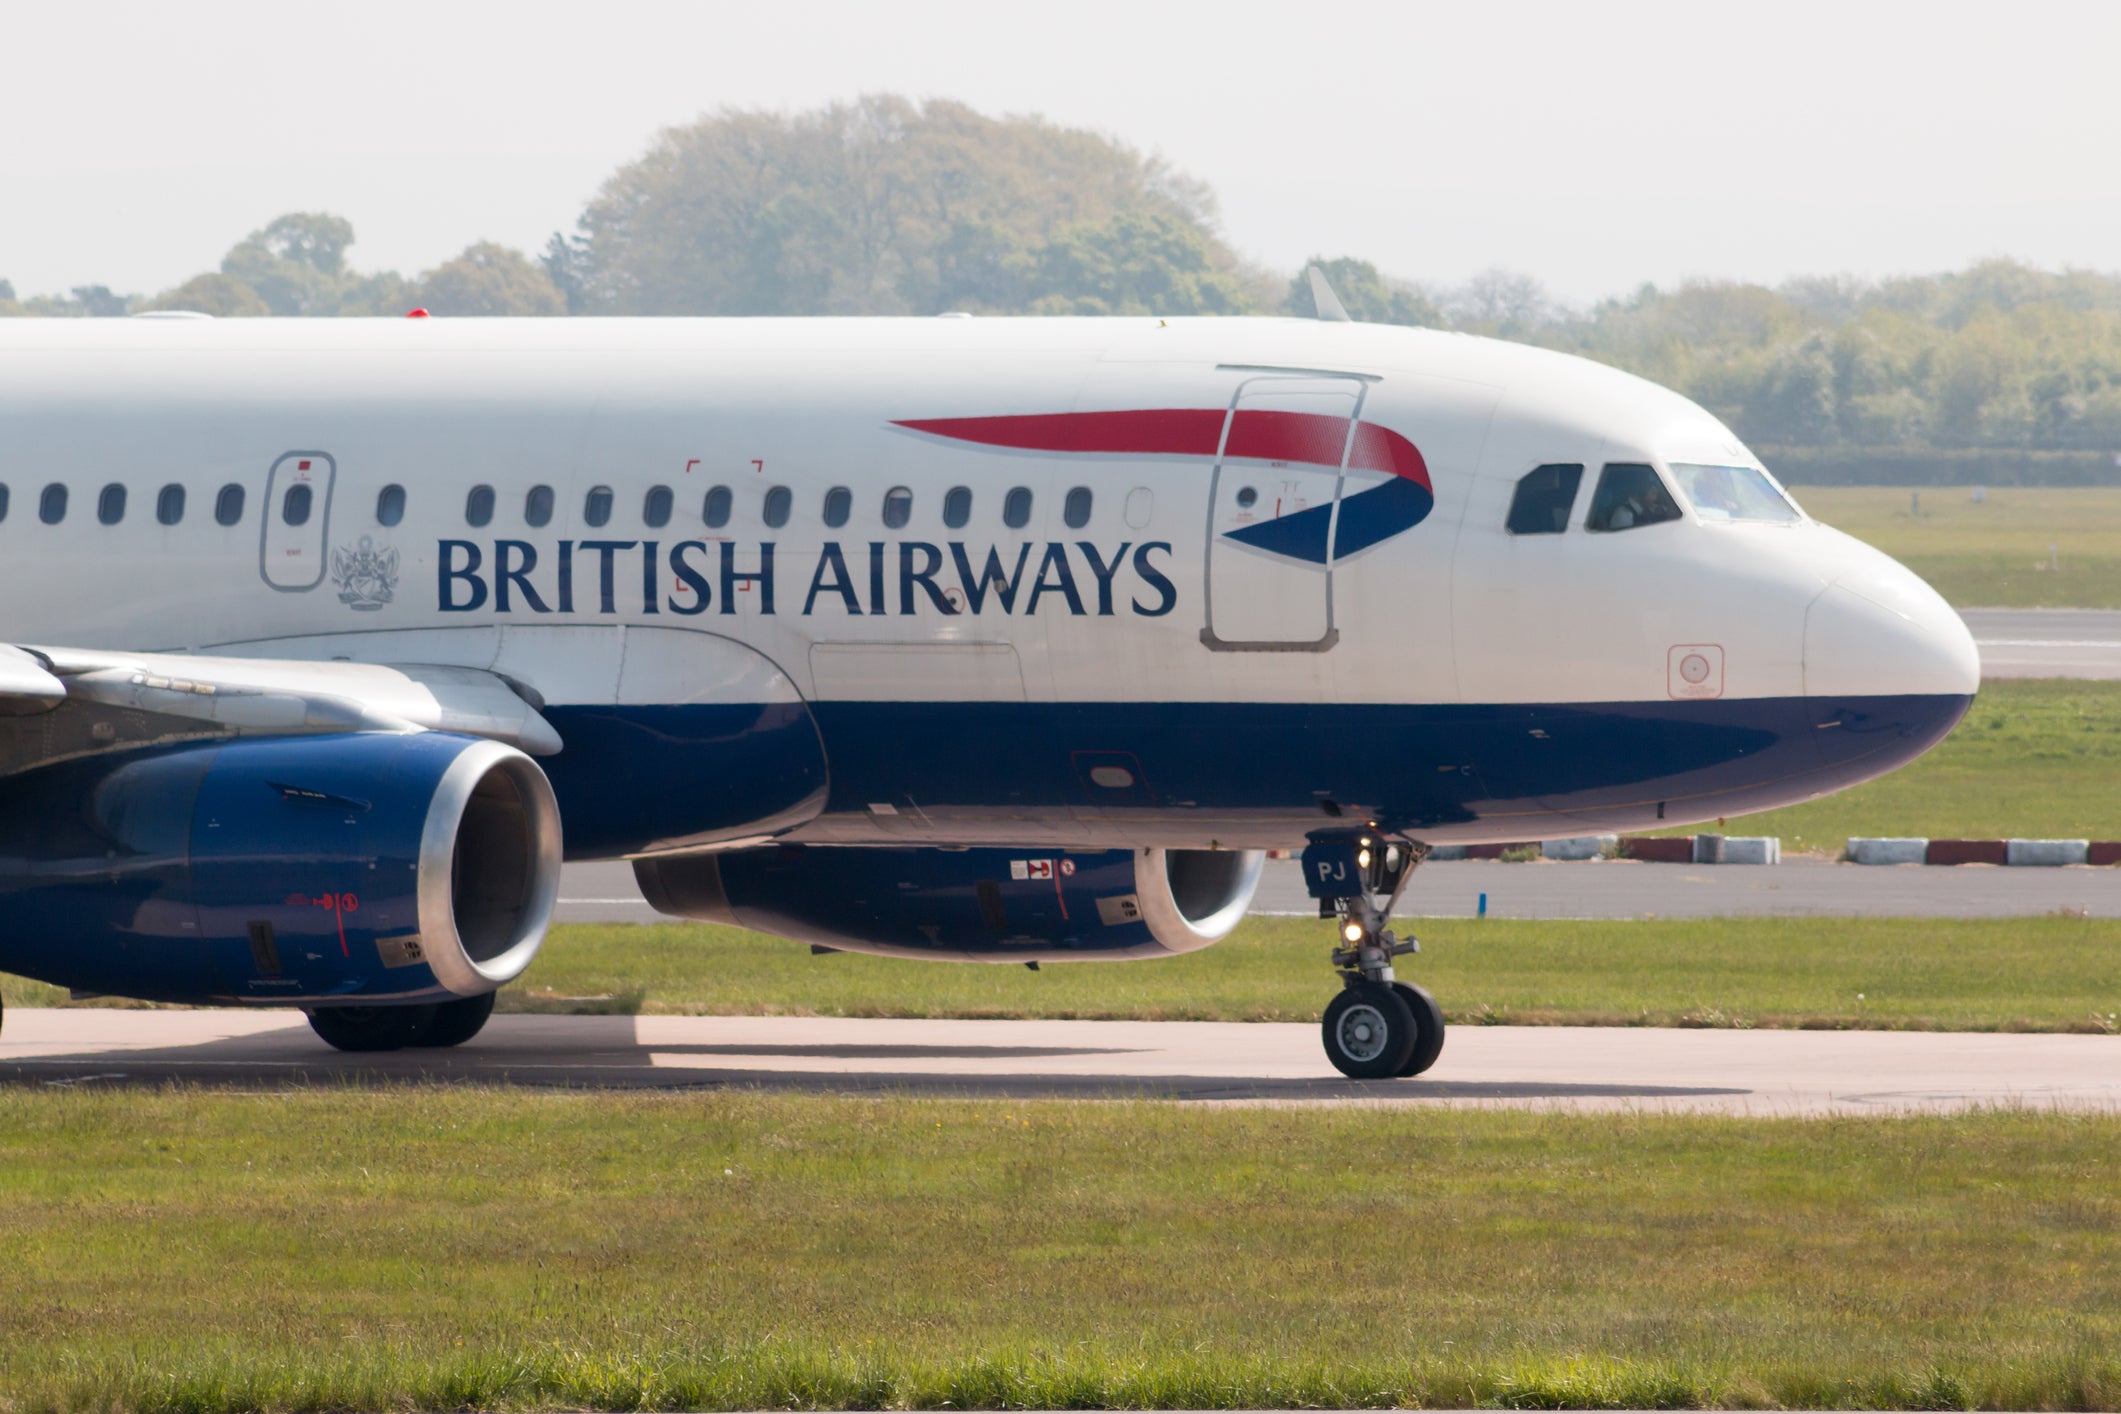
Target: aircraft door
x: 1271, y: 511
x: 297, y: 515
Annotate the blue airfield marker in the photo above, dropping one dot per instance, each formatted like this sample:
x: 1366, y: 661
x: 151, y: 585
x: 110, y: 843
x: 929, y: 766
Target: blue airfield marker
x: 1483, y: 905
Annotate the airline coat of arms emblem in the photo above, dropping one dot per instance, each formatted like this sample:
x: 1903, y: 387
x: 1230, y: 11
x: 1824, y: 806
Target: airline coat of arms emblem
x: 366, y: 576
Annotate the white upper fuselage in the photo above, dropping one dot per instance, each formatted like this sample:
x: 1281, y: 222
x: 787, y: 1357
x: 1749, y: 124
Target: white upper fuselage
x: 1453, y: 610
x: 1151, y: 601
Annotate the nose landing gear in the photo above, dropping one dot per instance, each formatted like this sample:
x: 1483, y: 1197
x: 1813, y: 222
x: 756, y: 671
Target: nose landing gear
x: 1378, y: 1027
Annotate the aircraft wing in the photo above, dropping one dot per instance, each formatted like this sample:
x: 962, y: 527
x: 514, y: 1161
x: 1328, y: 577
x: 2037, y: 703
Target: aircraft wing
x: 60, y: 703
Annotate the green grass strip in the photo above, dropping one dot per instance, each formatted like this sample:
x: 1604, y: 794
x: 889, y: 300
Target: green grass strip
x: 208, y: 1253
x: 2018, y: 547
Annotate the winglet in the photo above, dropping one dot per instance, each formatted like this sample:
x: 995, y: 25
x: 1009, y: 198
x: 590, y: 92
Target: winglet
x: 1328, y: 304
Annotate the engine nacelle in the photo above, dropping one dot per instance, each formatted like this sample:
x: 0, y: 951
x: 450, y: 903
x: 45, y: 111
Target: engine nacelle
x: 301, y: 870
x: 970, y: 905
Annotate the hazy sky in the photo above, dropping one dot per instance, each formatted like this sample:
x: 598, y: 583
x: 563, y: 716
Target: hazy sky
x: 1594, y: 145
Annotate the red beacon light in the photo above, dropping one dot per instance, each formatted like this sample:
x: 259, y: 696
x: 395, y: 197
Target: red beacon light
x: 420, y: 313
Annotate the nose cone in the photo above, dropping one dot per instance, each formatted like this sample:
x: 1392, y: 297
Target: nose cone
x: 1889, y: 668
x: 1878, y: 631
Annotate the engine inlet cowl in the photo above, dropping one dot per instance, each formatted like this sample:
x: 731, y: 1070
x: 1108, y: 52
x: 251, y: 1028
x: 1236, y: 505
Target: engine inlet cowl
x: 337, y: 870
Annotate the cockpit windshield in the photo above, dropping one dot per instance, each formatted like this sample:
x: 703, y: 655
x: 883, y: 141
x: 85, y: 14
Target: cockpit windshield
x: 1733, y: 493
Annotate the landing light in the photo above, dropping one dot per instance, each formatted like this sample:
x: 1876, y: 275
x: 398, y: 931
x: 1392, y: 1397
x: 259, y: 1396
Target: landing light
x: 1352, y: 932
x: 1362, y: 860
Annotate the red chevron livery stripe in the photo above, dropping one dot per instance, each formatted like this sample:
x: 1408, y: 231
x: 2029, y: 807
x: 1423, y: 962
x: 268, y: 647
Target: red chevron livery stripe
x: 1256, y: 434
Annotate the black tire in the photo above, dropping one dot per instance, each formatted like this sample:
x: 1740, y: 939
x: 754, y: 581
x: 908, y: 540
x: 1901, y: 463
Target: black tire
x: 370, y: 1028
x: 1428, y: 1028
x: 455, y: 1022
x: 1368, y: 1032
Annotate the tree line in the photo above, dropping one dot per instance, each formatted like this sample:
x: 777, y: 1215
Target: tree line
x: 885, y: 206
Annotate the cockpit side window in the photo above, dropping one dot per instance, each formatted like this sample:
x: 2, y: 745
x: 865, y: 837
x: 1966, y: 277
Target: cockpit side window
x: 1544, y: 497
x: 1630, y: 495
x: 1733, y: 493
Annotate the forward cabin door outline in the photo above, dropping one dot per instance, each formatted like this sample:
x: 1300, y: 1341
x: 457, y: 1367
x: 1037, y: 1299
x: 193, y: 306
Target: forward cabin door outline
x: 1274, y: 509
x: 297, y: 519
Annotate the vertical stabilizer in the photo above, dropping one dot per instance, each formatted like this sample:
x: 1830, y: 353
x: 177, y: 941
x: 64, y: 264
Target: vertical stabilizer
x: 1328, y: 303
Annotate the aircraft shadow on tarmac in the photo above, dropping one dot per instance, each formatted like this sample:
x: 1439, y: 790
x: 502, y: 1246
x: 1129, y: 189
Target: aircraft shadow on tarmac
x: 604, y: 1053
x: 880, y: 1052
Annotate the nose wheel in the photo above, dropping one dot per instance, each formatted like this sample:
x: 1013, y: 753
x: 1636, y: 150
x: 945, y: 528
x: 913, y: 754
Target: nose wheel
x: 1369, y: 1032
x: 1378, y: 1027
x: 1428, y: 1028
x: 1377, y: 1031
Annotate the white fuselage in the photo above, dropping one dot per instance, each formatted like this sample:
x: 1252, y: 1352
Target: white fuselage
x: 1152, y: 643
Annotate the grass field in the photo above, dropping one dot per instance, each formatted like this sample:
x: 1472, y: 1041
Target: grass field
x: 199, y: 1252
x: 1995, y: 553
x: 2035, y: 974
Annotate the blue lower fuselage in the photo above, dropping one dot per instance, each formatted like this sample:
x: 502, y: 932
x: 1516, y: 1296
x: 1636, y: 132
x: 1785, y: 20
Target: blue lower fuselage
x: 637, y: 779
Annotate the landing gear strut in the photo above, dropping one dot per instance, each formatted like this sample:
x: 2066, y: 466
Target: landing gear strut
x: 1378, y: 1027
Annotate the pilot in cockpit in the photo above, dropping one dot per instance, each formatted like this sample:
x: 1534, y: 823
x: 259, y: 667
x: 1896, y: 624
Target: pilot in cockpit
x: 1630, y: 494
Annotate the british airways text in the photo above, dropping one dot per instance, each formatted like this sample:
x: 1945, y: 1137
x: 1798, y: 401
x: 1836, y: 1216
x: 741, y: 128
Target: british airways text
x: 689, y: 577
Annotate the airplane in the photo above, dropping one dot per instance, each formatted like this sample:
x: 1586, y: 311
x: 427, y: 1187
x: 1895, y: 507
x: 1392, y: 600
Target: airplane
x: 994, y: 640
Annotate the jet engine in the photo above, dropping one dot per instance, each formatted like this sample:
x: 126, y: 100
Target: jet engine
x: 967, y: 905
x: 341, y: 870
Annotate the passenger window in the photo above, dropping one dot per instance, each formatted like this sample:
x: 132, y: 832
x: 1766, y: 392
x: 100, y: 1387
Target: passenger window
x: 1545, y: 495
x: 294, y: 506
x: 957, y: 507
x: 655, y: 511
x: 478, y: 506
x: 228, y: 505
x: 390, y: 505
x: 1076, y: 509
x: 898, y: 508
x: 1630, y: 495
x: 3, y: 500
x: 717, y: 508
x: 110, y: 506
x: 51, y: 506
x: 839, y: 504
x: 596, y: 507
x: 1016, y: 508
x: 1141, y: 505
x: 169, y: 505
x: 778, y: 503
x: 537, y: 506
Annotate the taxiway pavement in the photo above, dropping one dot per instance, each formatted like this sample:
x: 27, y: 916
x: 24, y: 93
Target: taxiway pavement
x: 1748, y: 1072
